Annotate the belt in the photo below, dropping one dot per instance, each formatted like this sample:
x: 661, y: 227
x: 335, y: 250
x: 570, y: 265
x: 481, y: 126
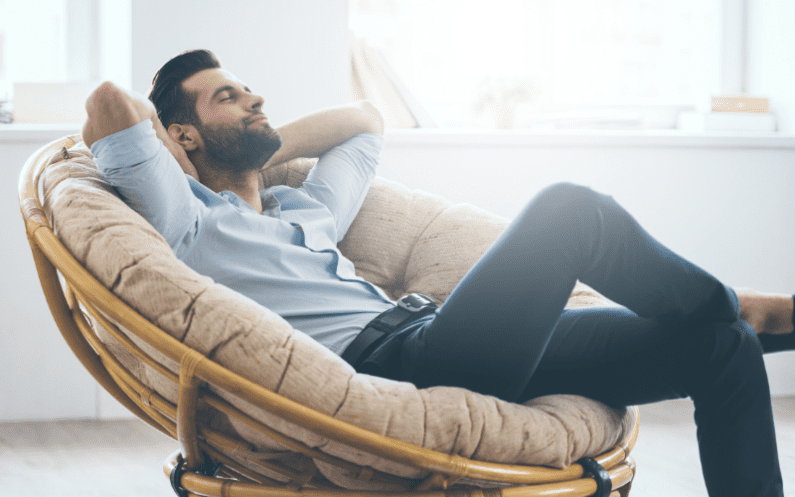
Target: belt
x: 408, y: 308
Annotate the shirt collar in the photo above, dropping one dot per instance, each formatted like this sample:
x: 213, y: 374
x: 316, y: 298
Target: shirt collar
x: 271, y: 206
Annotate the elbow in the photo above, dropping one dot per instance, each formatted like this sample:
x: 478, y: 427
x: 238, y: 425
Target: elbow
x: 106, y: 96
x: 105, y: 90
x: 99, y: 99
x: 373, y: 117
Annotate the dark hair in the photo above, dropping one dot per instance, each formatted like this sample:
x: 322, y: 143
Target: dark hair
x: 173, y: 103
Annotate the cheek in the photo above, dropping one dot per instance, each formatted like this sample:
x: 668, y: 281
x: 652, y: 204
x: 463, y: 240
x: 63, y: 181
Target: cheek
x: 222, y: 115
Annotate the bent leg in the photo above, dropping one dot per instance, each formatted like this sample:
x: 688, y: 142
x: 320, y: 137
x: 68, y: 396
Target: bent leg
x: 494, y: 327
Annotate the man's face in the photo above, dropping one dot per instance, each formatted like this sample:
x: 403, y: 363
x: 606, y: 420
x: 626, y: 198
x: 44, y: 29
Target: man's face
x: 233, y: 130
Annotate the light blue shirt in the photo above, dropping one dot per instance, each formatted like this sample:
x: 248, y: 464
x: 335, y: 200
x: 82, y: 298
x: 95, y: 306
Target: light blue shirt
x: 286, y: 259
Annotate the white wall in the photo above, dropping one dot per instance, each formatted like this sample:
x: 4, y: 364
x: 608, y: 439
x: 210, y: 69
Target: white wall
x: 294, y: 53
x: 724, y: 202
x: 41, y: 378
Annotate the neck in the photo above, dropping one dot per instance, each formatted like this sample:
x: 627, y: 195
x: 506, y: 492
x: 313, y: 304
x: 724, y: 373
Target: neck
x: 219, y: 178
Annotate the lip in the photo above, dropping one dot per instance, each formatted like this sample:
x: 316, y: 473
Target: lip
x: 255, y: 118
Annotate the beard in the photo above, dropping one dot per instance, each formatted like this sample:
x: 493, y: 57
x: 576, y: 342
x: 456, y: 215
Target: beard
x: 240, y: 149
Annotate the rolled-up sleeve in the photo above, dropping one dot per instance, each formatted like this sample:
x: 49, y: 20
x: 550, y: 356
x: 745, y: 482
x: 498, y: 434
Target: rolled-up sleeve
x: 149, y: 179
x: 342, y: 176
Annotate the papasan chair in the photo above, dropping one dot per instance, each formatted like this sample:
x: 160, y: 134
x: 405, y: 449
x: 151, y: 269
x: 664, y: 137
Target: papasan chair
x: 261, y: 409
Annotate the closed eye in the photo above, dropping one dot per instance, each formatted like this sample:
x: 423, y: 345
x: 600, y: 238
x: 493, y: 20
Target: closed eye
x: 224, y: 93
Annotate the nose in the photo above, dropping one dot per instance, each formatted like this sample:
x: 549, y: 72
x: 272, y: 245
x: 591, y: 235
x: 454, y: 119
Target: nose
x: 256, y: 101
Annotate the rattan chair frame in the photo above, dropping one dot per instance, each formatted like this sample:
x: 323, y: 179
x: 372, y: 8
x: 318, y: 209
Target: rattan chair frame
x: 73, y: 294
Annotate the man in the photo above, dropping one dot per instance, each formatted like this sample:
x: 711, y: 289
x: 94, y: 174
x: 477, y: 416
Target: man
x: 503, y: 330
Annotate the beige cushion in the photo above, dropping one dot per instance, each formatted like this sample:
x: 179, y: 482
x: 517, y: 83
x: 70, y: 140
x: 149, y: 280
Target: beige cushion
x: 403, y: 241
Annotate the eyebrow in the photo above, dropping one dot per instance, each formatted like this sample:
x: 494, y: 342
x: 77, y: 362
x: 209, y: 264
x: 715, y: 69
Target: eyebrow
x: 227, y: 88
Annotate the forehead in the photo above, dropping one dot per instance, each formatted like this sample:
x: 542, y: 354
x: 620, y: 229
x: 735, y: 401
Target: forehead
x: 207, y: 81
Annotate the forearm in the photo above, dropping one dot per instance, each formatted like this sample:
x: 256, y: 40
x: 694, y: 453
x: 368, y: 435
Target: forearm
x: 316, y: 133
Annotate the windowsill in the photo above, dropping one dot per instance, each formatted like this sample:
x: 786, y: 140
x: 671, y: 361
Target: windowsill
x: 23, y: 132
x: 43, y: 133
x: 588, y: 138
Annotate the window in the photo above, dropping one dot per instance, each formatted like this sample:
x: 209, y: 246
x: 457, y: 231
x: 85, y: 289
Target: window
x: 32, y: 43
x: 60, y: 41
x: 549, y: 63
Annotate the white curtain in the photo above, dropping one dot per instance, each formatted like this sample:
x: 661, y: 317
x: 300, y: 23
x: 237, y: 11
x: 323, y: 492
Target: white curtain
x: 373, y: 79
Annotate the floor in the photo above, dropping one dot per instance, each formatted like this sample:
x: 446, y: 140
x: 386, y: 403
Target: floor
x: 123, y: 458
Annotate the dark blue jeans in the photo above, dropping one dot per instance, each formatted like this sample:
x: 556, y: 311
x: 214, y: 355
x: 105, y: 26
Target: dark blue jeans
x: 503, y: 331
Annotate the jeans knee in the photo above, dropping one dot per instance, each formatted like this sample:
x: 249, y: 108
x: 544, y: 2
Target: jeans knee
x: 742, y: 342
x: 568, y: 192
x: 571, y: 197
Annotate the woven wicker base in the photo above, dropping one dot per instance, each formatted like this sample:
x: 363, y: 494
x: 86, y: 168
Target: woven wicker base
x: 227, y: 483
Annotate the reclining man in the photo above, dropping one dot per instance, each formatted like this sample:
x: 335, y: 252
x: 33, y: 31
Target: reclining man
x: 188, y: 161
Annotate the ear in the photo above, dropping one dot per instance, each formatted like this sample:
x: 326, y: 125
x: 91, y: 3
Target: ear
x: 186, y: 135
